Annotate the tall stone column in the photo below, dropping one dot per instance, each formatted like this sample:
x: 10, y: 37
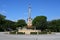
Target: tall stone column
x: 29, y: 21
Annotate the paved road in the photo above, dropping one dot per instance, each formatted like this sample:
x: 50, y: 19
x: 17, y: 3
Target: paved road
x: 4, y: 36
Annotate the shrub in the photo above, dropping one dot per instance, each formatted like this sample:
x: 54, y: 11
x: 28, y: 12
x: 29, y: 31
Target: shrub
x: 33, y: 33
x: 14, y: 32
x: 49, y: 32
x: 43, y: 32
x: 20, y: 32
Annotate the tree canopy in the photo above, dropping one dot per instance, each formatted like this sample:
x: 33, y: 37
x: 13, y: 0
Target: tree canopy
x: 54, y: 25
x: 21, y: 23
x: 2, y: 17
x: 40, y: 22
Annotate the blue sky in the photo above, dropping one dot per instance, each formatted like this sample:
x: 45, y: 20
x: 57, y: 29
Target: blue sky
x: 18, y: 9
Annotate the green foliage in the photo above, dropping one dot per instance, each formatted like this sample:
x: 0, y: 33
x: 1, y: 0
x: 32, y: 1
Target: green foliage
x: 49, y: 32
x: 2, y: 22
x: 5, y: 24
x: 33, y: 32
x: 54, y: 25
x: 2, y: 17
x: 40, y: 22
x: 43, y: 32
x: 14, y: 32
x: 20, y: 32
x: 10, y: 24
x: 21, y: 23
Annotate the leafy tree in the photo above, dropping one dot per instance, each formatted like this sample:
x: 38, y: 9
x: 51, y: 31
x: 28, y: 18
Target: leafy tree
x: 2, y: 21
x: 54, y: 25
x: 10, y: 25
x: 2, y: 17
x: 40, y: 22
x: 6, y: 24
x: 21, y: 23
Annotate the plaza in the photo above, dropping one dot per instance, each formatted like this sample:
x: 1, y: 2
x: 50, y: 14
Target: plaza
x: 29, y: 20
x: 4, y: 36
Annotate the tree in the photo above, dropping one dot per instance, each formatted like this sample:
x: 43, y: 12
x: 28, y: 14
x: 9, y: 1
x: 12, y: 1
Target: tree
x: 54, y: 25
x: 5, y: 24
x: 9, y: 25
x: 2, y: 21
x: 21, y: 23
x: 40, y: 22
x: 2, y: 17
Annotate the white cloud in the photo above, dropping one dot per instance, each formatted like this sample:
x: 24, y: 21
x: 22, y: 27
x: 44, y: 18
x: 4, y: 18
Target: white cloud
x: 3, y: 12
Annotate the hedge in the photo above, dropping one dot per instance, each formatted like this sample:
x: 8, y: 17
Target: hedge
x: 20, y: 32
x: 42, y: 32
x: 14, y: 32
x: 33, y: 33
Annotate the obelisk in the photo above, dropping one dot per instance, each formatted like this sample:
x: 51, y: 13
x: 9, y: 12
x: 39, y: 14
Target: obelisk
x: 29, y: 21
